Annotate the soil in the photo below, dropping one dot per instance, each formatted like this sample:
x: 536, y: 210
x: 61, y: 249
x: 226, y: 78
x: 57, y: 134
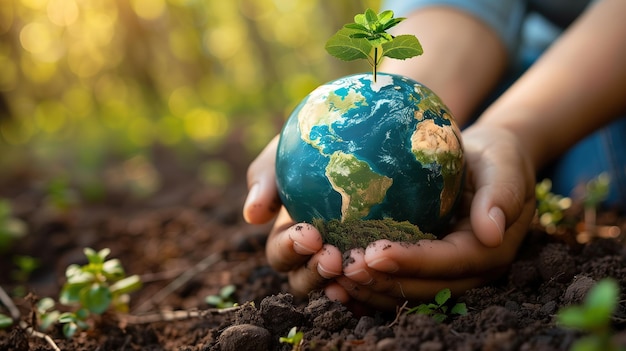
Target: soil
x: 189, y: 240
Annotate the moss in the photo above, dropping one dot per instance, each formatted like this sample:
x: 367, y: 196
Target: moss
x: 357, y: 233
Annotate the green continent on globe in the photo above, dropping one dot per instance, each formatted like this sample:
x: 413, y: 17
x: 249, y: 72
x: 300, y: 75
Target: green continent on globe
x: 360, y: 187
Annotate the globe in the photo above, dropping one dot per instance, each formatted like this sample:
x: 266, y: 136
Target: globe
x: 359, y: 149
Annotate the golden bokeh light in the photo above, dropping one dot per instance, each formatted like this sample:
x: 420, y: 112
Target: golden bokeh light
x: 148, y: 9
x: 174, y: 72
x: 62, y: 12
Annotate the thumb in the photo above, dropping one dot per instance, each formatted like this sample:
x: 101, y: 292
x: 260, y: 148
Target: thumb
x: 504, y: 184
x: 262, y: 203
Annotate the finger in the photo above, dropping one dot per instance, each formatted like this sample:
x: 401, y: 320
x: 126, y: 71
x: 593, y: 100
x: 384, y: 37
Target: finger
x: 356, y: 269
x: 262, y: 203
x: 501, y: 190
x: 311, y: 276
x: 457, y: 255
x: 290, y: 245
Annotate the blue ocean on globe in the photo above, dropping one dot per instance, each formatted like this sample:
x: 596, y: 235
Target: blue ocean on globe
x: 359, y: 149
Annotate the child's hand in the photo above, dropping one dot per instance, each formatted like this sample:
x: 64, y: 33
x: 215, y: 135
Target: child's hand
x: 498, y: 206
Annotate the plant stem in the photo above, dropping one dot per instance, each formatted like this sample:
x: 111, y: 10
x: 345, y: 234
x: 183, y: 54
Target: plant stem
x: 375, y: 62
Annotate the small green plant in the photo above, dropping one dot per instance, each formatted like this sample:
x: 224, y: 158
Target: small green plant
x: 367, y: 38
x: 294, y: 338
x: 93, y: 288
x: 5, y: 321
x: 593, y: 317
x: 550, y: 207
x: 11, y: 228
x: 596, y: 191
x: 46, y: 312
x: 25, y: 265
x: 439, y: 311
x: 224, y: 298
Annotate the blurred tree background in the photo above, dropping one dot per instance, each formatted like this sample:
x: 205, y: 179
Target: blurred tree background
x: 83, y: 82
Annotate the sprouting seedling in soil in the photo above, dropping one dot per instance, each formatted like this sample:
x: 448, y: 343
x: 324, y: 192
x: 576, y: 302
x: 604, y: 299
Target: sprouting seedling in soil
x: 550, y: 207
x: 5, y: 321
x: 11, y: 228
x: 367, y: 38
x: 94, y: 288
x: 294, y: 338
x: 593, y: 317
x: 596, y: 191
x: 26, y: 265
x: 224, y: 298
x: 439, y: 311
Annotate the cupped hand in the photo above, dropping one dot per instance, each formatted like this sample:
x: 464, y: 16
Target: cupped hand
x: 496, y: 210
x: 291, y: 247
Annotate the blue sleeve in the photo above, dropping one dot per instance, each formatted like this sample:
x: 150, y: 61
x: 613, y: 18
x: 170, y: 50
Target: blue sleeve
x: 505, y: 17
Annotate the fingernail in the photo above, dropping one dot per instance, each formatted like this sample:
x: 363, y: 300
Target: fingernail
x: 302, y: 249
x: 497, y: 217
x: 326, y: 273
x: 253, y: 194
x: 361, y: 276
x: 384, y: 265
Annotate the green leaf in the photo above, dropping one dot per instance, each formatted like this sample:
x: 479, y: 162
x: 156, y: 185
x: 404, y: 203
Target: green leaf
x: 345, y: 48
x: 460, y: 309
x: 392, y: 23
x: 370, y: 16
x: 67, y: 317
x: 70, y: 329
x: 603, y: 296
x: 439, y: 317
x: 126, y: 285
x: 80, y: 278
x: 356, y: 26
x: 385, y: 16
x: 360, y: 19
x: 5, y: 321
x: 113, y: 269
x: 70, y: 293
x: 96, y: 299
x: 402, y: 47
x: 443, y: 296
x: 48, y: 319
x: 92, y: 255
x: 214, y: 300
x: 228, y: 290
x: 45, y: 304
x: 359, y: 35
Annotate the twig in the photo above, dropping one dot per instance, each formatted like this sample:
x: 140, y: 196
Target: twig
x: 16, y: 315
x: 399, y: 311
x: 178, y: 282
x: 33, y: 332
x: 169, y: 316
x: 8, y: 302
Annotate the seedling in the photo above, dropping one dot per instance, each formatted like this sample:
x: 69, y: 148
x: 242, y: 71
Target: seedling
x: 294, y: 338
x: 439, y: 311
x: 11, y: 228
x: 367, y: 38
x: 596, y: 191
x: 25, y: 267
x: 593, y: 317
x: 550, y: 207
x: 94, y: 288
x: 224, y: 298
x: 5, y: 321
x: 47, y: 315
